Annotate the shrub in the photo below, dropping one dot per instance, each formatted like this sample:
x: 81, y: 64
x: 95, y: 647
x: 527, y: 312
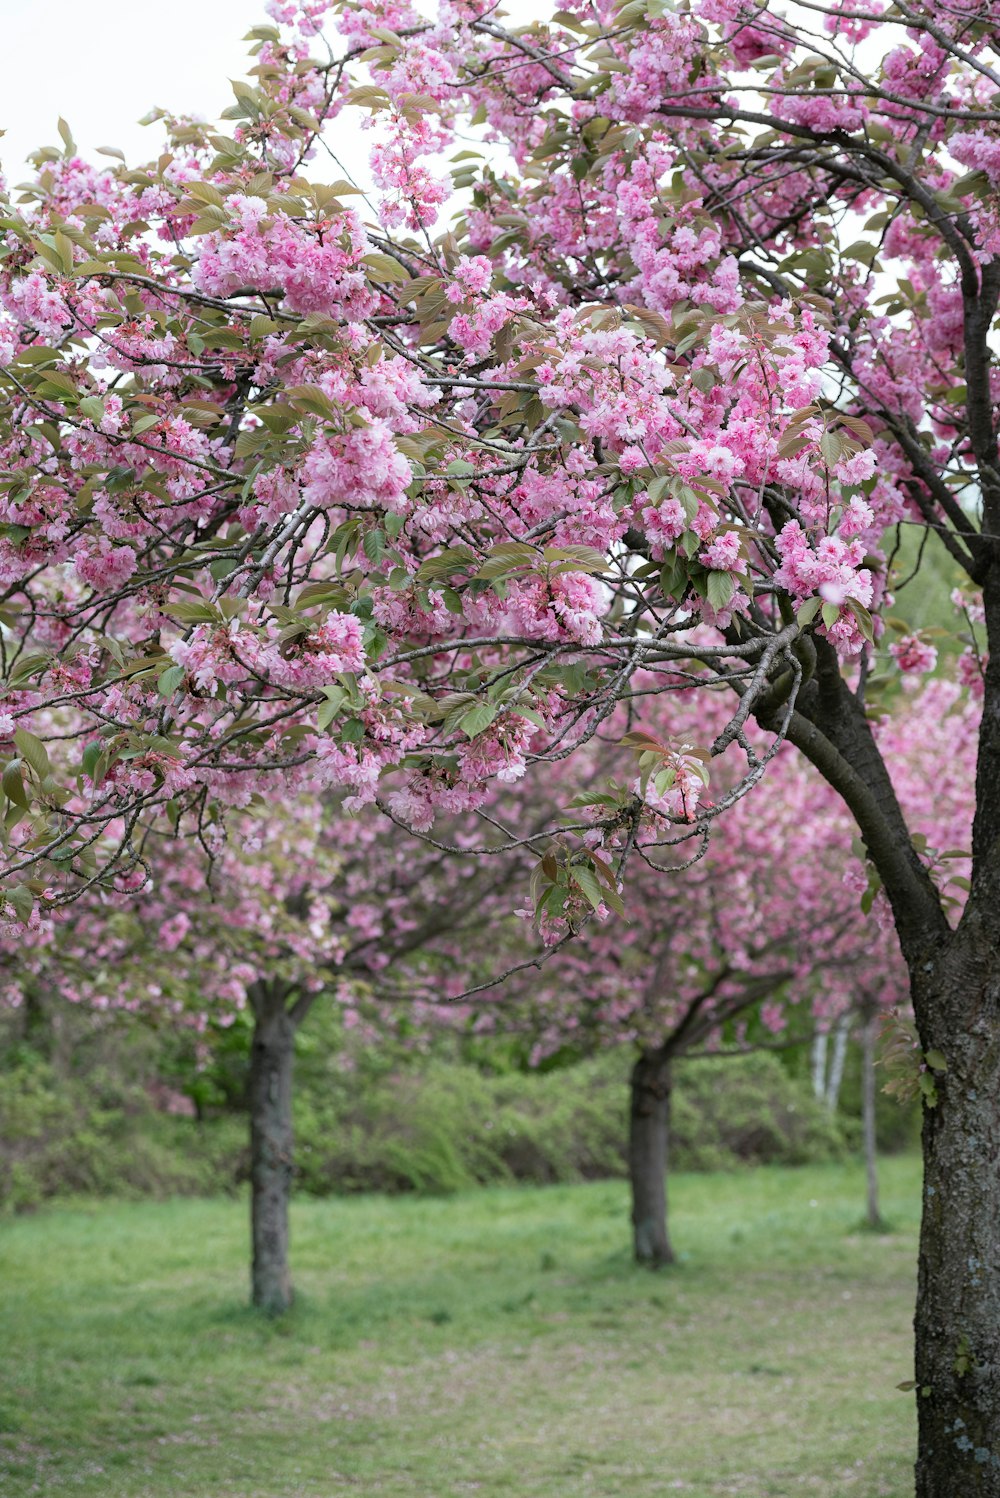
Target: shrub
x: 443, y: 1127
x: 62, y: 1136
x: 749, y: 1109
x: 390, y: 1124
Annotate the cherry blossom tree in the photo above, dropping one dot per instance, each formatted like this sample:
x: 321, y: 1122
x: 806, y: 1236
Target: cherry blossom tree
x: 278, y: 912
x: 776, y: 925
x: 766, y: 927
x: 300, y: 492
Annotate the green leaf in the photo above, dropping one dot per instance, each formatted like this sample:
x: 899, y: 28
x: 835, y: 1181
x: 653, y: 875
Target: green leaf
x: 577, y: 558
x: 13, y: 785
x: 507, y: 558
x: 935, y: 1060
x: 384, y: 268
x: 91, y: 755
x: 168, y: 681
x: 478, y: 719
x: 721, y: 587
x: 314, y: 400
x: 64, y: 249
x: 587, y: 882
x: 192, y: 613
x: 614, y: 899
x: 864, y: 619
x: 22, y: 901
x: 328, y: 710
x: 832, y: 448
x: 32, y: 751
x: 452, y: 559
x: 92, y: 406
x: 205, y: 192
x: 674, y: 576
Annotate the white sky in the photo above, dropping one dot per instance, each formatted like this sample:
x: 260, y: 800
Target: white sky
x: 102, y: 64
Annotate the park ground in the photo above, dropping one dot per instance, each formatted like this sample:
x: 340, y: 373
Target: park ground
x: 495, y: 1342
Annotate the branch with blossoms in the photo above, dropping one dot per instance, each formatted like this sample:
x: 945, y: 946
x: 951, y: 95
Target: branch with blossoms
x: 294, y: 502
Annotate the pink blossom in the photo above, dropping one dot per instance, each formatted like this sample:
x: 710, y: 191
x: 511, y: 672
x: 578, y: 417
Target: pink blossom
x: 913, y: 655
x: 105, y: 567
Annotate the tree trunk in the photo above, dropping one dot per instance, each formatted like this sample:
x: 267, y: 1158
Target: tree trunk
x: 957, y: 1321
x: 819, y: 1046
x: 271, y: 1059
x: 873, y: 1216
x: 836, y: 1077
x: 649, y: 1129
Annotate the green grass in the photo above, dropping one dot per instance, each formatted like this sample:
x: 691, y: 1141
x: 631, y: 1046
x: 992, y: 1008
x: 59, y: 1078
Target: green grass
x: 497, y: 1342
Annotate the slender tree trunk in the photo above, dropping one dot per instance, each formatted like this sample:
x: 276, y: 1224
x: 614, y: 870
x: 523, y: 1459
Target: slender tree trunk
x: 271, y: 1059
x: 819, y: 1045
x: 649, y: 1130
x: 873, y: 1215
x: 957, y: 1321
x: 836, y: 1077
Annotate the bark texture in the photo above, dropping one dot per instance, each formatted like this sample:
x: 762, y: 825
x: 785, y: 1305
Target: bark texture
x: 271, y: 1141
x: 649, y: 1133
x: 957, y: 1320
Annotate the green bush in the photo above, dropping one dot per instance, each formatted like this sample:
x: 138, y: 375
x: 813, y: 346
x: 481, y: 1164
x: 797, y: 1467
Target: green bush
x: 388, y: 1122
x: 441, y: 1127
x: 62, y: 1136
x: 446, y: 1126
x: 749, y: 1109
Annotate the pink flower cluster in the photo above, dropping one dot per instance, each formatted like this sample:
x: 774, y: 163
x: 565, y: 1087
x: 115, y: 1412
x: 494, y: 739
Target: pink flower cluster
x: 913, y: 655
x: 475, y: 331
x: 311, y: 660
x: 569, y: 604
x: 832, y: 569
x: 363, y: 469
x: 316, y: 267
x: 104, y: 566
x: 31, y: 299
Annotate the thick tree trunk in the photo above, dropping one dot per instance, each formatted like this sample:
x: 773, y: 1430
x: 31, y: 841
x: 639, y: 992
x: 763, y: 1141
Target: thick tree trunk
x: 649, y: 1130
x: 873, y: 1216
x: 271, y: 1060
x: 957, y: 1321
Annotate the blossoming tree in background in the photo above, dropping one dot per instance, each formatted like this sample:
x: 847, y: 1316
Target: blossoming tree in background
x: 290, y: 909
x: 776, y: 925
x: 301, y: 493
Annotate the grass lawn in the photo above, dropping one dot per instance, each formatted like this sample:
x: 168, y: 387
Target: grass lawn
x: 498, y: 1342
